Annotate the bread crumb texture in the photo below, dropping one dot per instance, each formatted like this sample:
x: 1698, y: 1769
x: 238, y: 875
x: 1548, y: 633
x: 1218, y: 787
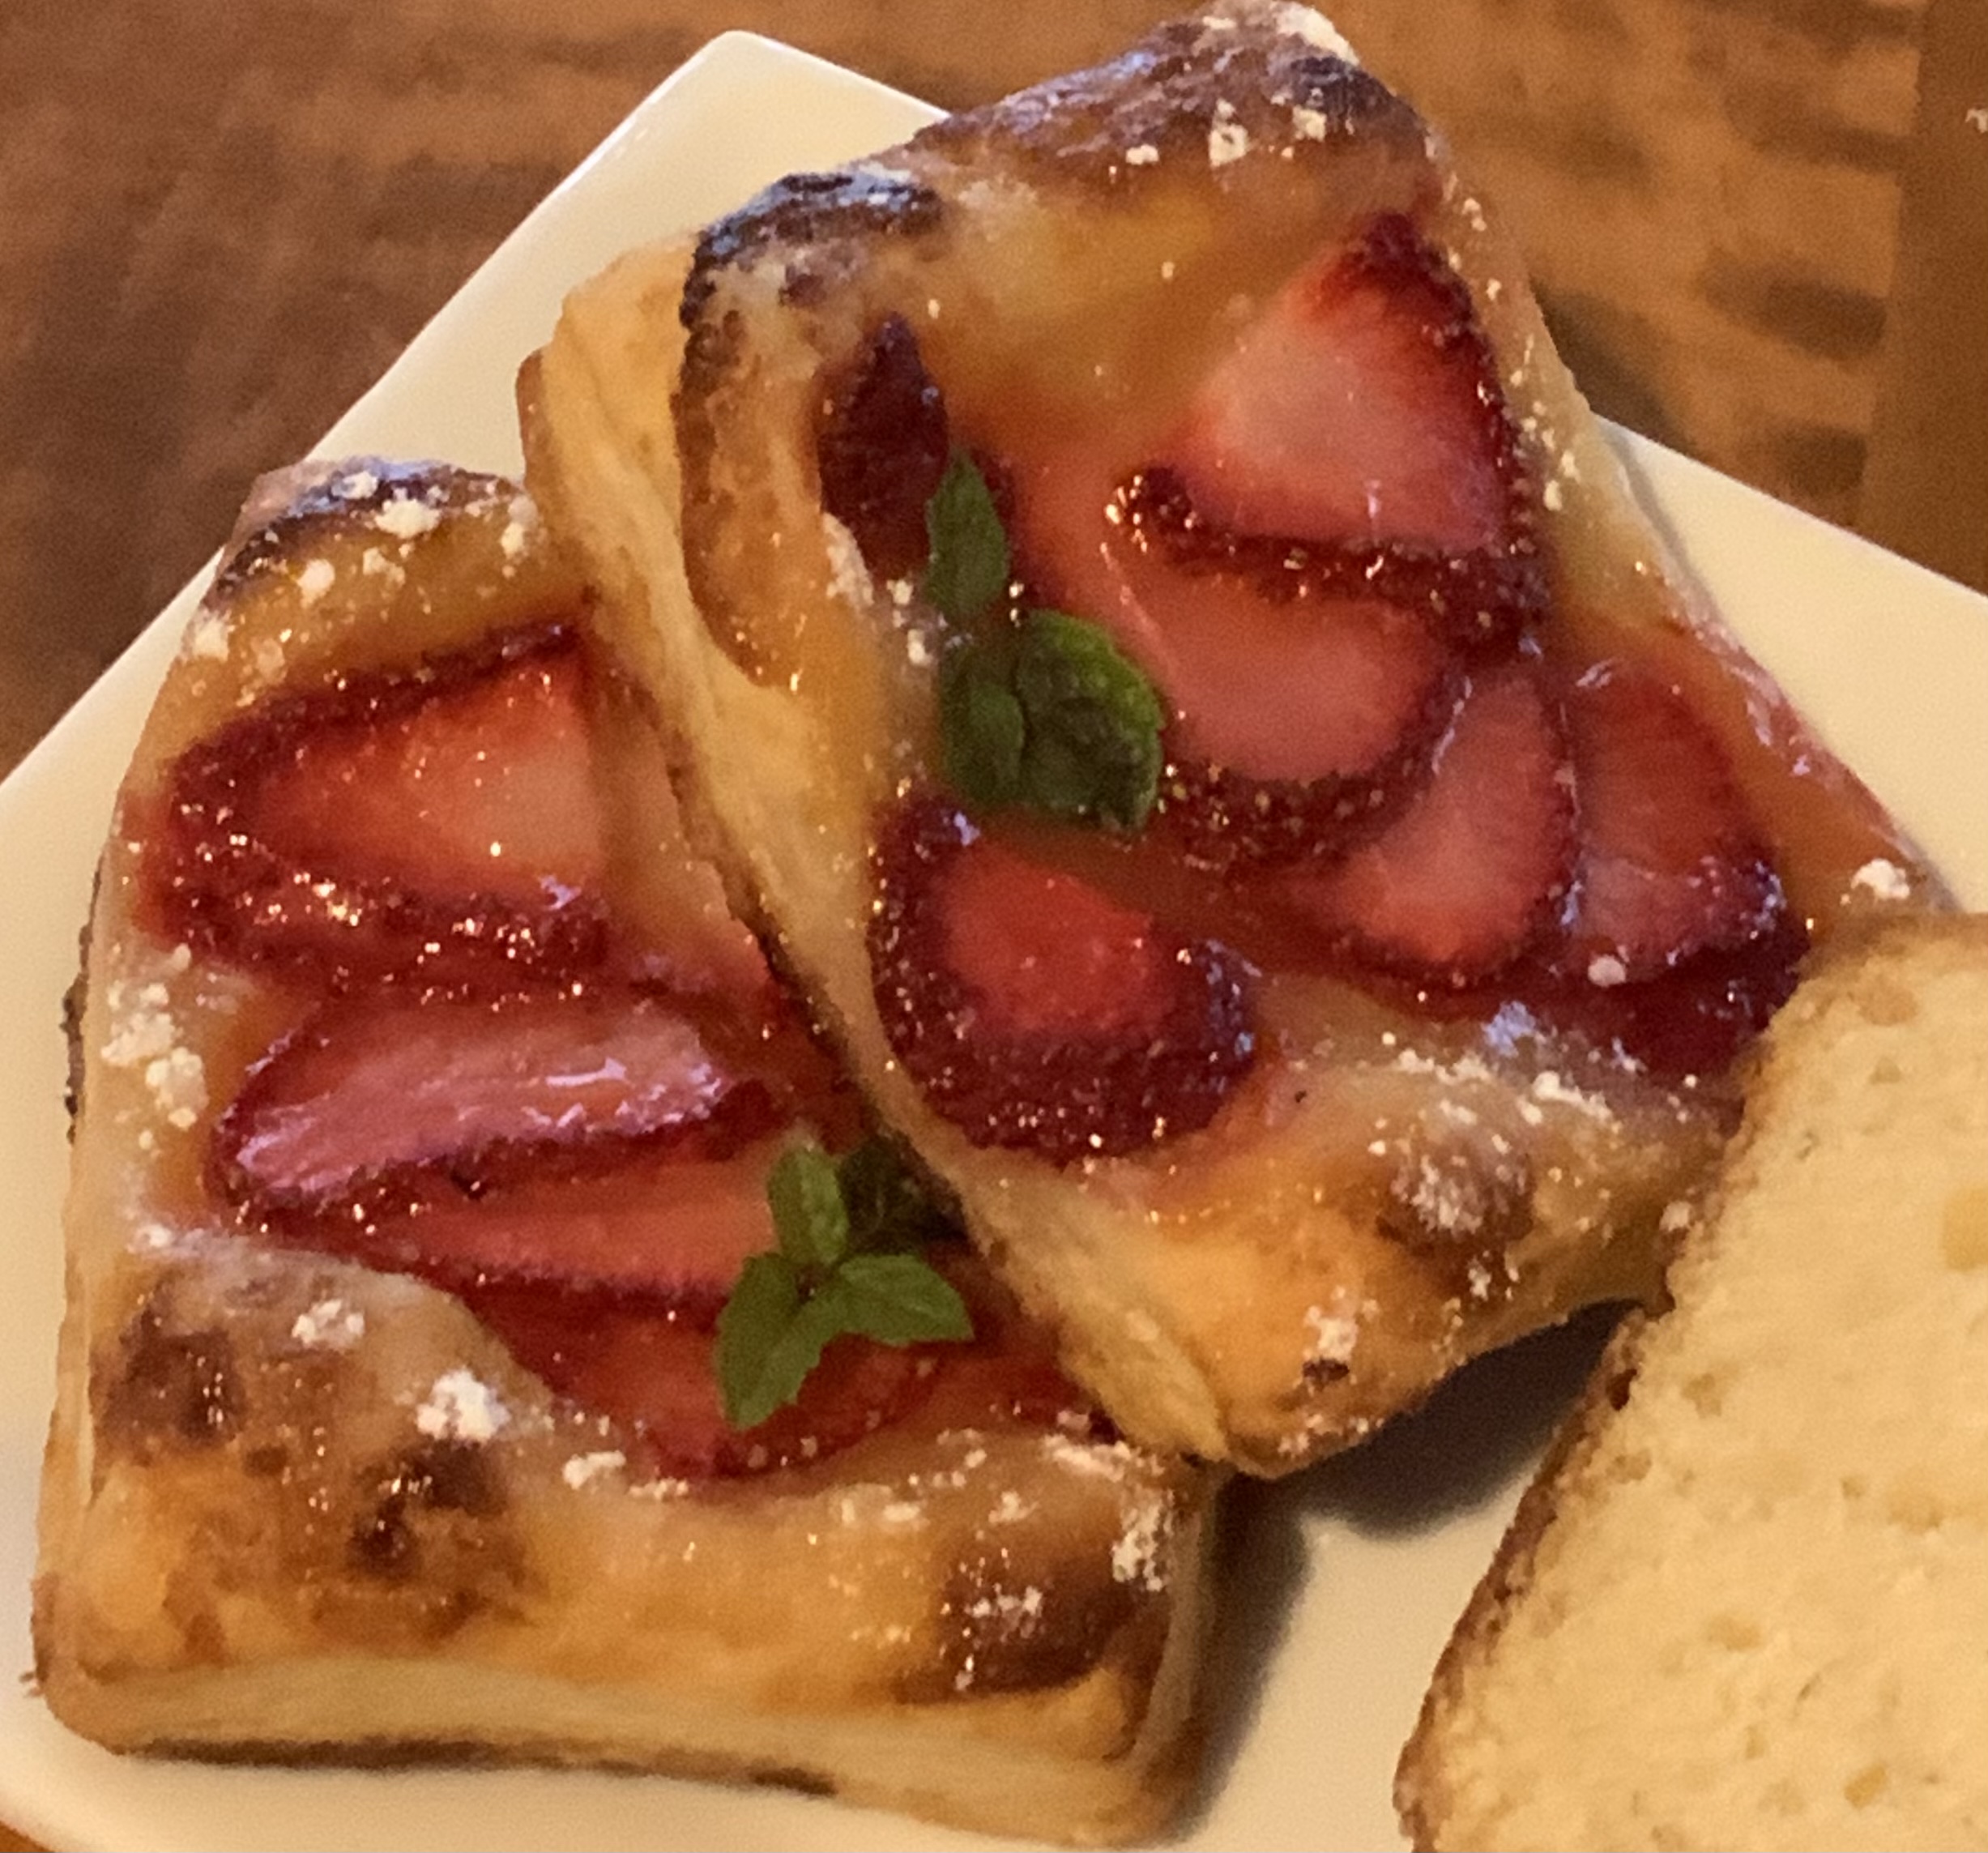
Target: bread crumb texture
x: 1756, y: 1613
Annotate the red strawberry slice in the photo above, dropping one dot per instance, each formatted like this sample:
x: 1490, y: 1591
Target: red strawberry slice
x: 480, y: 785
x: 1265, y: 677
x: 881, y: 445
x: 1476, y: 865
x: 672, y: 1227
x: 649, y: 1369
x: 1670, y: 863
x: 1693, y: 1018
x: 1363, y: 405
x: 443, y: 819
x: 1036, y: 1012
x: 1297, y: 704
x: 369, y: 1100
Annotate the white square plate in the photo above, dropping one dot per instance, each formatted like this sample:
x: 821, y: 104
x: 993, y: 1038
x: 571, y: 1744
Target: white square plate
x: 1341, y: 1588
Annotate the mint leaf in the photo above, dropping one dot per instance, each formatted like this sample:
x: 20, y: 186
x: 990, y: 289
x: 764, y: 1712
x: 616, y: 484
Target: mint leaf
x: 888, y: 1208
x: 1093, y: 722
x: 900, y: 1299
x: 845, y: 1227
x: 968, y: 567
x: 810, y: 1218
x: 984, y: 731
x: 1090, y: 723
x: 759, y: 1365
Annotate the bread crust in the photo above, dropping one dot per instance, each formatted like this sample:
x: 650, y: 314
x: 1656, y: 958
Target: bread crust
x: 1235, y: 1292
x: 1875, y: 975
x: 270, y: 1527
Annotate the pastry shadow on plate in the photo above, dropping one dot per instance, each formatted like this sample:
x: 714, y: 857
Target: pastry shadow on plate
x: 1481, y: 1429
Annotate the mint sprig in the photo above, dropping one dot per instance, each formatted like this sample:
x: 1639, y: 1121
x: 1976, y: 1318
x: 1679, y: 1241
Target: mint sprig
x: 846, y: 1263
x: 1049, y: 714
x: 967, y: 569
x: 1042, y: 709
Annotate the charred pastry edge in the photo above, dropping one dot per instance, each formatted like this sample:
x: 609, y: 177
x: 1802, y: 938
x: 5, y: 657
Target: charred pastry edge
x: 1170, y: 93
x: 1164, y: 93
x: 287, y: 507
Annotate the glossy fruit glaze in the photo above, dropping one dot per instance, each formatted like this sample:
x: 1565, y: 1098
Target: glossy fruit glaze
x: 496, y: 1056
x: 1439, y: 727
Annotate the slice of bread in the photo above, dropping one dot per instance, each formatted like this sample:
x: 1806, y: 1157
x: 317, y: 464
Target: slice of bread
x: 317, y: 1489
x: 1743, y: 1605
x: 1273, y: 1129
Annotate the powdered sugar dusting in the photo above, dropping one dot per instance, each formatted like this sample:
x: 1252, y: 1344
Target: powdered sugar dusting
x: 1138, y: 1554
x: 1011, y: 1509
x: 1549, y: 1088
x: 1306, y: 23
x: 142, y: 1027
x: 178, y: 1083
x: 329, y: 1323
x: 1227, y: 138
x: 1334, y: 1332
x: 316, y: 579
x: 207, y: 637
x: 583, y: 1469
x: 461, y: 1407
x: 849, y: 577
x: 1088, y: 1459
x: 406, y: 518
x: 1884, y: 879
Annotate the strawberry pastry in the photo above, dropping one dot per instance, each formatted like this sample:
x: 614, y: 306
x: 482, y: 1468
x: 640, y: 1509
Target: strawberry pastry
x: 1193, y: 690
x: 493, y: 1322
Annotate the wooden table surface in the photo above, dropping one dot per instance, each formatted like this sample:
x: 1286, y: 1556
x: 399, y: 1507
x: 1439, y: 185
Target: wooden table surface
x: 1759, y: 227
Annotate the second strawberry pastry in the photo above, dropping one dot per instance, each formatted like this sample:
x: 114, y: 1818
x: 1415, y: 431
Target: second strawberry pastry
x: 1195, y: 696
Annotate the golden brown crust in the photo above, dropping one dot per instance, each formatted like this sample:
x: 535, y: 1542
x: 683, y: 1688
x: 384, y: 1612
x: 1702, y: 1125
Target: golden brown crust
x: 1419, y: 1794
x: 293, y: 1508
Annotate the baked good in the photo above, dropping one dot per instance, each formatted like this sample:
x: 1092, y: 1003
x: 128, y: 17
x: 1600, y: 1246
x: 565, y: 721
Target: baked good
x: 429, y: 1099
x: 1322, y: 961
x: 1743, y: 1606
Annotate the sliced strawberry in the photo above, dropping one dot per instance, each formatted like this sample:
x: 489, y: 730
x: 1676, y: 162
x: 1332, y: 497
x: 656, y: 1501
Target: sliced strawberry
x: 1670, y: 863
x: 1296, y: 707
x: 441, y: 820
x: 1479, y: 602
x: 649, y: 1369
x: 1476, y: 865
x: 1694, y: 1017
x: 881, y: 445
x: 1363, y: 405
x: 369, y: 1101
x: 1036, y: 1012
x: 672, y: 1228
x: 478, y: 785
x: 1265, y: 677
